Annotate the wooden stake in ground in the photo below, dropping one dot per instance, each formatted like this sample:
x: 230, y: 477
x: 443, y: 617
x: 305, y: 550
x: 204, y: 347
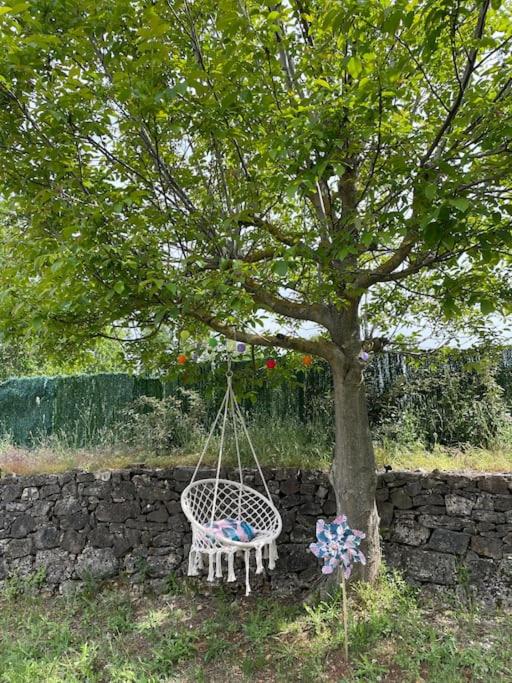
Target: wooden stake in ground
x: 338, y: 546
x: 345, y: 614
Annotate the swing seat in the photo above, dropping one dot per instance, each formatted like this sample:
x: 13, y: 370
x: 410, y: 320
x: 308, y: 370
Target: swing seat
x: 228, y: 516
x: 234, y: 501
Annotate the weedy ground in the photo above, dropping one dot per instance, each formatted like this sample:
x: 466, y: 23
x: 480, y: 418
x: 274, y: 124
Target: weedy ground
x: 279, y: 444
x: 111, y: 635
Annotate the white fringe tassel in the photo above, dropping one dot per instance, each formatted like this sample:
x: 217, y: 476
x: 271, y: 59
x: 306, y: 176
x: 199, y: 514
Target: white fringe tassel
x: 218, y: 562
x: 259, y: 560
x: 192, y: 563
x: 231, y: 567
x: 247, y: 584
x: 272, y: 555
x: 211, y: 568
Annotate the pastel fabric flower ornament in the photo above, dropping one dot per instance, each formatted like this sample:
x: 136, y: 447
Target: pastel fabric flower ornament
x: 337, y: 544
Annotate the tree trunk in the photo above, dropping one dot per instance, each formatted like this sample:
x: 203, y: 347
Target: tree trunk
x: 353, y: 473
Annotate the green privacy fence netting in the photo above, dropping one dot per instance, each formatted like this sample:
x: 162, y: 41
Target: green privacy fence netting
x: 82, y: 407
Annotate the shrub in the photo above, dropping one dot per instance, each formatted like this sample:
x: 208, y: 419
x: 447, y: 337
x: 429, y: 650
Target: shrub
x: 161, y: 425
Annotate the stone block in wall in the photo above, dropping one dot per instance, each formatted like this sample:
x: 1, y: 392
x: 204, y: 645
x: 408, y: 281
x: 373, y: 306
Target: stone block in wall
x: 484, y: 501
x: 401, y: 499
x: 503, y: 503
x: 431, y: 510
x: 73, y: 541
x: 409, y: 532
x: 97, y: 489
x: 117, y: 512
x: 51, y: 490
x: 158, y: 514
x: 505, y: 570
x: 57, y: 565
x: 47, y: 537
x: 493, y: 483
x: 123, y: 491
x: 480, y: 571
x: 290, y: 486
x: 413, y: 488
x: 96, y: 563
x: 446, y: 541
x: 429, y: 499
x: 386, y: 514
x: 100, y: 537
x: 458, y: 505
x: 19, y: 547
x: 22, y: 526
x: 444, y: 521
x: 21, y: 567
x: 329, y: 508
x: 487, y: 547
x: 310, y: 507
x: 173, y: 507
x: 432, y: 567
x: 290, y: 501
x: 30, y: 493
x: 322, y: 492
x: 294, y: 557
x: 41, y: 508
x: 158, y: 566
x: 488, y: 516
x: 183, y: 474
x: 10, y: 492
x: 288, y: 519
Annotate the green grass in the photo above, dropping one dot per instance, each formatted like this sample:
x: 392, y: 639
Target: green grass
x: 111, y: 636
x: 278, y: 444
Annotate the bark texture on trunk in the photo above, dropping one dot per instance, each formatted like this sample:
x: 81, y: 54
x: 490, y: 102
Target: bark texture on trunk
x: 353, y: 473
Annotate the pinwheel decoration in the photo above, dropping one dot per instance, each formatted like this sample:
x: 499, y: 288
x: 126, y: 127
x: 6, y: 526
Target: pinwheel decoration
x: 337, y: 544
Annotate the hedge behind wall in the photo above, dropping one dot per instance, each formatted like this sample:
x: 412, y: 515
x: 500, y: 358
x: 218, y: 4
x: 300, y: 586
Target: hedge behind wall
x: 461, y: 398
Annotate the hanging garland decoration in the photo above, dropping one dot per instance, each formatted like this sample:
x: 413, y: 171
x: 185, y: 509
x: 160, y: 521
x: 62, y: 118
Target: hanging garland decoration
x: 229, y: 346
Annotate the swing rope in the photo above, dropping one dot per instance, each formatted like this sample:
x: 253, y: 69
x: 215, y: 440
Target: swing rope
x: 210, y: 502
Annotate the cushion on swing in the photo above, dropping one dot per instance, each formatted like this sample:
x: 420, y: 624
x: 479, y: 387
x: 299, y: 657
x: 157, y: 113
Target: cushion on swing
x: 232, y: 529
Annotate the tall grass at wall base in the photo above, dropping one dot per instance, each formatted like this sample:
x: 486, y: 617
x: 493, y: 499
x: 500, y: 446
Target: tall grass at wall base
x: 284, y: 443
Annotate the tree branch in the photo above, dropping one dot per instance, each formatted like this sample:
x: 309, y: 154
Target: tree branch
x: 324, y: 349
x: 465, y: 80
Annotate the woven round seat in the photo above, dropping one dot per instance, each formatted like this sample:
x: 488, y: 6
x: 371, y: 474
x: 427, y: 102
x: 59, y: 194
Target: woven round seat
x: 234, y: 501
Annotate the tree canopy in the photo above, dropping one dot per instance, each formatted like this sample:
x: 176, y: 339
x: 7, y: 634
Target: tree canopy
x: 198, y: 162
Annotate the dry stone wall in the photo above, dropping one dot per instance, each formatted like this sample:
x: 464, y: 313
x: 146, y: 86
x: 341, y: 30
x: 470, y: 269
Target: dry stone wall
x: 446, y: 530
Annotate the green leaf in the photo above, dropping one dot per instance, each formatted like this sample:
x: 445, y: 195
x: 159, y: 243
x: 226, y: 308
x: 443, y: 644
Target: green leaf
x: 460, y: 203
x: 5, y: 9
x: 322, y: 82
x: 119, y: 287
x: 487, y: 306
x: 430, y: 191
x: 354, y: 66
x: 280, y: 268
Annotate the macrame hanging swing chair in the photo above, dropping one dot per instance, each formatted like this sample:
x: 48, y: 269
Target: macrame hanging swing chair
x: 228, y: 517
